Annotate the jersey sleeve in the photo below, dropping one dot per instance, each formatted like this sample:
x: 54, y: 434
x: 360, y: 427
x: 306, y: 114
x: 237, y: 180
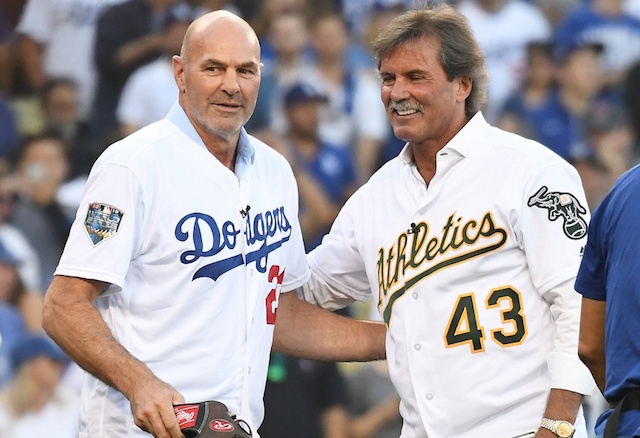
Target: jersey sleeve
x: 339, y: 275
x: 590, y: 281
x: 552, y: 226
x: 105, y: 235
x: 297, y: 272
x: 553, y: 231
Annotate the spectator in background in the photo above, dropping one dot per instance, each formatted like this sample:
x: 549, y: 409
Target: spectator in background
x: 604, y: 22
x: 28, y: 303
x: 325, y: 172
x: 537, y: 84
x: 354, y: 115
x: 9, y: 135
x: 56, y: 39
x: 12, y: 328
x: 15, y: 241
x: 268, y: 10
x: 631, y: 102
x: 381, y: 14
x: 558, y: 121
x: 304, y: 398
x: 151, y: 90
x: 357, y: 13
x: 19, y: 311
x: 60, y: 106
x: 7, y: 56
x: 34, y: 403
x: 555, y: 11
x: 503, y: 29
x: 129, y: 35
x: 60, y: 115
x: 287, y: 37
x: 610, y: 138
x: 42, y: 168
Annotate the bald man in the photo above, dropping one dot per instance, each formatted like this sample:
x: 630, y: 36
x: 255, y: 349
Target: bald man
x: 185, y: 244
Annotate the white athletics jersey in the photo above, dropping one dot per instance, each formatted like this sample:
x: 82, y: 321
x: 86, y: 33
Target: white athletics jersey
x: 195, y: 274
x: 463, y: 270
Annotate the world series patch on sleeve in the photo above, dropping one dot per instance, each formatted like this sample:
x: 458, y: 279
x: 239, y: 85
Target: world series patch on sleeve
x: 210, y: 419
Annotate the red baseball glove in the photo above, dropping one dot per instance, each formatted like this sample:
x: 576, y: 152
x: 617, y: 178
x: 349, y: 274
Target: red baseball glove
x: 210, y: 419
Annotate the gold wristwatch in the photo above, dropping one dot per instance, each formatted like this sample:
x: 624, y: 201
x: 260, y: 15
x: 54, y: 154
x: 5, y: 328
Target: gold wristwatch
x: 562, y: 428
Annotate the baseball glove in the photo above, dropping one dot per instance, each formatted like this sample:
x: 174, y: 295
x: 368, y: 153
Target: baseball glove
x: 210, y: 419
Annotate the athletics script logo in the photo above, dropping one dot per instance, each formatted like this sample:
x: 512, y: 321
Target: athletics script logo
x: 563, y: 205
x: 264, y: 233
x: 419, y: 253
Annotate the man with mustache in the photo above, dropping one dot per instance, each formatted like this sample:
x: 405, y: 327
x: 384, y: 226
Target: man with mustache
x: 185, y: 238
x: 472, y: 239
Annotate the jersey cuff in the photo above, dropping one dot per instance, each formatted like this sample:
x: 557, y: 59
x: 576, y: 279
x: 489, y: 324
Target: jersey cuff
x: 568, y: 372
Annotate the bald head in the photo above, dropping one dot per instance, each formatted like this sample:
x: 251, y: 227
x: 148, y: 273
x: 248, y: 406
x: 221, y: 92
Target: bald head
x: 217, y: 23
x: 218, y: 76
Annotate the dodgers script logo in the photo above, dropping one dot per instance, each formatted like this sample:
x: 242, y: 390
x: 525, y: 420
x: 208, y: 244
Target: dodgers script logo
x: 264, y: 233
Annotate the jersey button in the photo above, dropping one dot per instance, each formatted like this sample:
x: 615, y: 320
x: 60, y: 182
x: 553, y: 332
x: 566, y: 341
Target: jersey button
x: 417, y: 347
x: 415, y: 295
x: 249, y: 370
x: 429, y: 396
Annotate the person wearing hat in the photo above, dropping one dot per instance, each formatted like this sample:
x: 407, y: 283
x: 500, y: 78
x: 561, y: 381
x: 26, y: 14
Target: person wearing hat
x: 12, y: 321
x: 605, y: 22
x: 557, y: 122
x: 34, y: 402
x: 326, y: 173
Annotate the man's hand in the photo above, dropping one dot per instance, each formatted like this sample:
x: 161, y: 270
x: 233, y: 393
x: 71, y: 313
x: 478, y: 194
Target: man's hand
x: 152, y: 403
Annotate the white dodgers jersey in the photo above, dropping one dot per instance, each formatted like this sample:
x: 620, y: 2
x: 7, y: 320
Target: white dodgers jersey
x: 196, y: 257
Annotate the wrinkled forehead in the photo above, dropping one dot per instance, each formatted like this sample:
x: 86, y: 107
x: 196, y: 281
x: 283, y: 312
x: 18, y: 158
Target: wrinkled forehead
x: 424, y: 51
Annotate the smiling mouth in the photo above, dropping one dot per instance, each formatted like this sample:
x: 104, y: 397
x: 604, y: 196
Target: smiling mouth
x: 406, y: 112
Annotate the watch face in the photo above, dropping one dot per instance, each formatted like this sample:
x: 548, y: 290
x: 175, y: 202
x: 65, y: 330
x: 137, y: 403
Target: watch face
x: 564, y: 429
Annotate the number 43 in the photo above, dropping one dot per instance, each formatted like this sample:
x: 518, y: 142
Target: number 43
x: 464, y: 326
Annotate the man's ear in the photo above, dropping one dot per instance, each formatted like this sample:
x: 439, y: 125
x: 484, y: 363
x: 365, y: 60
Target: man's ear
x: 465, y: 84
x: 178, y: 72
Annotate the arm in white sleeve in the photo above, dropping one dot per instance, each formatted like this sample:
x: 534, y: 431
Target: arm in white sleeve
x: 565, y: 367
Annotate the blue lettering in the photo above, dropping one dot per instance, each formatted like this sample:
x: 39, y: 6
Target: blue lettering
x: 259, y: 229
x: 228, y: 235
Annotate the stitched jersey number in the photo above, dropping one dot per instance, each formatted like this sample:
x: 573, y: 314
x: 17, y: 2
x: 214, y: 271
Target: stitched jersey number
x: 464, y: 326
x: 272, y: 302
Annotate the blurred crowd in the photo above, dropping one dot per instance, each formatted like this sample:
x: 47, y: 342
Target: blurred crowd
x: 77, y: 75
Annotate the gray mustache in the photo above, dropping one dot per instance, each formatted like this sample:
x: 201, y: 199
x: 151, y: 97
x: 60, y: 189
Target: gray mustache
x: 404, y: 105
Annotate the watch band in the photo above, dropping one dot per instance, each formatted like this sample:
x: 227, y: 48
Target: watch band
x: 562, y: 428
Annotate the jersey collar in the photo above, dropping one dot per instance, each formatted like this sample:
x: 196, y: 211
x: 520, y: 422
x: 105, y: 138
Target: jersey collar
x: 246, y: 152
x: 464, y: 143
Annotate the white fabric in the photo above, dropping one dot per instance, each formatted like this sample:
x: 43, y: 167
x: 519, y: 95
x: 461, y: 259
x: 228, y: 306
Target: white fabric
x: 18, y: 245
x: 503, y: 37
x: 632, y: 7
x: 66, y: 29
x: 479, y: 248
x: 148, y: 94
x: 177, y: 301
x: 57, y: 419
